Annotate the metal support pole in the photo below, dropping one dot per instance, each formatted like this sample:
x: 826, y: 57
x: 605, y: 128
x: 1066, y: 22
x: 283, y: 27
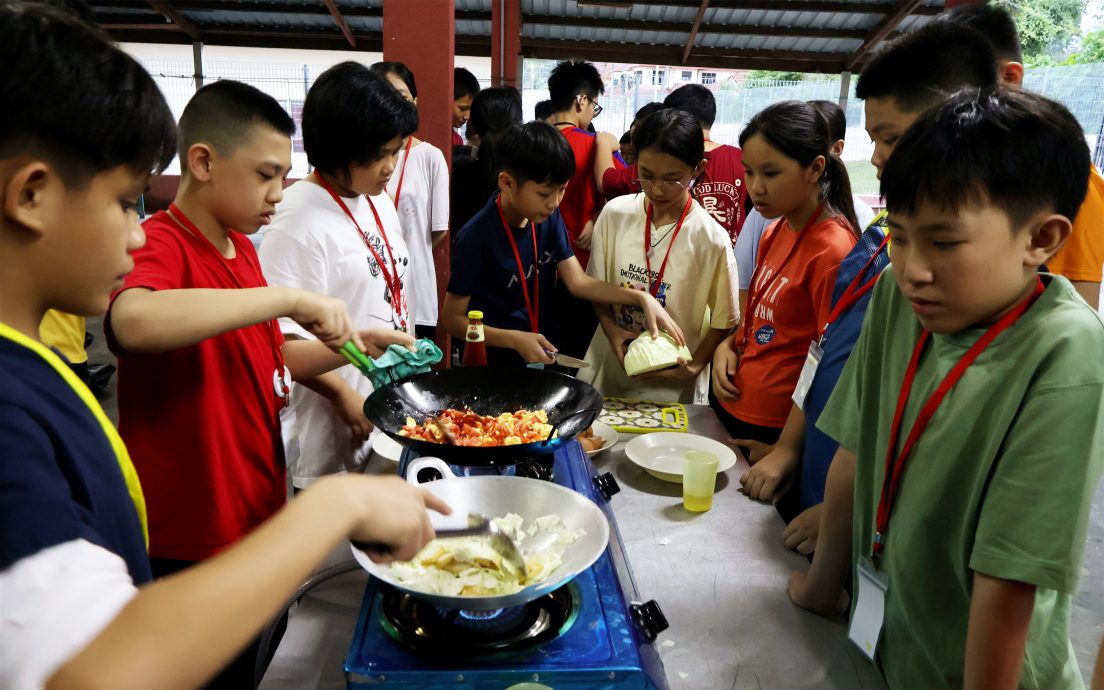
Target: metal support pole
x: 197, y: 62
x: 845, y: 89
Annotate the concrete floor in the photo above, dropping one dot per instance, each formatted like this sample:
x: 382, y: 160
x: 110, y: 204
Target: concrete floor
x: 1087, y: 625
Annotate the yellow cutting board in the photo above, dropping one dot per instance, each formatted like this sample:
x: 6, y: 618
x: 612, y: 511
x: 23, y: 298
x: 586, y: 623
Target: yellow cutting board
x: 643, y: 416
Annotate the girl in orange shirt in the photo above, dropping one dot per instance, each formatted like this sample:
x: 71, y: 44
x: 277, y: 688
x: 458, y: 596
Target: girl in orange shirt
x: 791, y: 173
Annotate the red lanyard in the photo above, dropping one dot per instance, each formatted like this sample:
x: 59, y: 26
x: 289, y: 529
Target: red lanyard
x: 389, y: 277
x: 402, y: 170
x: 532, y: 306
x: 756, y: 297
x: 855, y: 291
x: 185, y: 222
x: 653, y: 287
x: 895, y: 465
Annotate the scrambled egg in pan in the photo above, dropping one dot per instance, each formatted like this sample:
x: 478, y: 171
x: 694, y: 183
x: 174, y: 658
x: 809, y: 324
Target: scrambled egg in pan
x: 468, y: 566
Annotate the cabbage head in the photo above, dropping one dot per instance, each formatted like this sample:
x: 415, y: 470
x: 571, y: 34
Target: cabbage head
x: 646, y: 355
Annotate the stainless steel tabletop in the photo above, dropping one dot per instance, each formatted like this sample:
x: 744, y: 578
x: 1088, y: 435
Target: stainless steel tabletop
x: 720, y: 578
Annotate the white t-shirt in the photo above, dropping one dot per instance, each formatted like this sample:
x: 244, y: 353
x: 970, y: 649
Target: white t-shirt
x: 698, y: 290
x: 311, y: 244
x: 53, y: 604
x: 747, y: 244
x: 423, y: 210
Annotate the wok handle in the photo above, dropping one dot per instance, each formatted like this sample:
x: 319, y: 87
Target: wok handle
x: 576, y: 413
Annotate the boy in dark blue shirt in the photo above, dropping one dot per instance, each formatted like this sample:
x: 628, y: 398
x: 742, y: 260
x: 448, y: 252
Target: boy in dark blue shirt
x: 77, y: 608
x: 508, y: 258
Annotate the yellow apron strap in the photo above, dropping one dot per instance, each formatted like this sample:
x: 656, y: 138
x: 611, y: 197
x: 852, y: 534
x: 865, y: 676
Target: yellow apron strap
x: 880, y: 219
x: 121, y: 454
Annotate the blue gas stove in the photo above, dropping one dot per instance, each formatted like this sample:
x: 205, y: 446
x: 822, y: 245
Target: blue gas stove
x: 595, y: 632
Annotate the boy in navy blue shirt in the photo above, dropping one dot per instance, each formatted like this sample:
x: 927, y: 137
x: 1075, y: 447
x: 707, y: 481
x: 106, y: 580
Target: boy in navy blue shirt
x: 493, y: 266
x: 76, y: 605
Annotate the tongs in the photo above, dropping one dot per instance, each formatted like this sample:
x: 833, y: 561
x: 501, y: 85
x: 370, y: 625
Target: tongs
x: 357, y: 358
x: 478, y: 525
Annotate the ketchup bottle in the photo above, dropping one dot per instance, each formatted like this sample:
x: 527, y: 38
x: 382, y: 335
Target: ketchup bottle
x: 475, y: 347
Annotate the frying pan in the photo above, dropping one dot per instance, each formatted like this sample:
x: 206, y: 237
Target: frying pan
x: 496, y: 496
x: 571, y: 406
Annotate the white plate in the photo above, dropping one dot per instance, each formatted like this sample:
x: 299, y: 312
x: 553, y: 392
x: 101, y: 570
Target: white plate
x: 660, y: 454
x: 606, y: 433
x: 386, y: 447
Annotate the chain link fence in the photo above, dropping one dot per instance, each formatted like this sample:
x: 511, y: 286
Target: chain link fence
x: 1079, y: 87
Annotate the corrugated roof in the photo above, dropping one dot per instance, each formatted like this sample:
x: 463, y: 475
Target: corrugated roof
x: 811, y: 35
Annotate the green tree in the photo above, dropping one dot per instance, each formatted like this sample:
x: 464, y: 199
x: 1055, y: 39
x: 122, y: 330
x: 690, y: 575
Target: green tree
x: 1046, y: 27
x: 774, y: 75
x: 1092, y: 48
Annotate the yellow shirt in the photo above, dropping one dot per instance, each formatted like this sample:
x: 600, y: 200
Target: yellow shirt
x: 1082, y: 257
x: 64, y: 332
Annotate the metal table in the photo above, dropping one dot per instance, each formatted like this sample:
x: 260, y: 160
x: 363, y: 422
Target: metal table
x: 720, y: 578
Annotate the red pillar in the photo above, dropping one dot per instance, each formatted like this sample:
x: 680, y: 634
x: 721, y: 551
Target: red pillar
x: 505, y: 42
x: 422, y: 35
x: 951, y: 4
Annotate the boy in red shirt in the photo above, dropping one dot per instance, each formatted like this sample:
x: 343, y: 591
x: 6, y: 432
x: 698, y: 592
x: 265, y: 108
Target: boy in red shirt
x: 720, y: 189
x: 465, y: 87
x: 203, y: 368
x: 202, y: 375
x: 574, y: 87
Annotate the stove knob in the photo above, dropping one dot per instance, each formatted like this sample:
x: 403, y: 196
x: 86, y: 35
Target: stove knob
x: 607, y: 485
x: 650, y: 619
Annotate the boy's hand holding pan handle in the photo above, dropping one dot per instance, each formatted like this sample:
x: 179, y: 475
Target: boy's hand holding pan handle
x: 325, y: 317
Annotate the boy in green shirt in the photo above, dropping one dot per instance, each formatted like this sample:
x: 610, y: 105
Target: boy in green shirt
x: 974, y: 521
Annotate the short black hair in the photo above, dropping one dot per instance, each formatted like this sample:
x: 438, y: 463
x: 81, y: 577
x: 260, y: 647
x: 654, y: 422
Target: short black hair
x: 221, y: 114
x: 992, y: 22
x: 671, y: 131
x: 464, y: 83
x: 923, y: 67
x: 399, y: 70
x: 350, y: 114
x: 696, y: 100
x: 835, y: 117
x: 645, y: 110
x: 73, y: 98
x: 535, y: 152
x: 573, y: 78
x: 543, y: 110
x: 494, y: 109
x: 1018, y: 150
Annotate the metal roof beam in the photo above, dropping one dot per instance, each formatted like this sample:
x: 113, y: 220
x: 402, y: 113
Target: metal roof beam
x: 341, y: 23
x: 830, y: 6
x: 903, y: 9
x: 671, y: 55
x: 694, y: 31
x: 719, y: 29
x: 170, y: 14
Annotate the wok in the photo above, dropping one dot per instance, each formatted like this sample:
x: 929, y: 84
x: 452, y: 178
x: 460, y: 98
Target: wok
x: 496, y: 496
x: 571, y: 406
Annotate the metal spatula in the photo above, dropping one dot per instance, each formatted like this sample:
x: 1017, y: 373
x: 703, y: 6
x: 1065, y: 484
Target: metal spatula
x: 478, y: 525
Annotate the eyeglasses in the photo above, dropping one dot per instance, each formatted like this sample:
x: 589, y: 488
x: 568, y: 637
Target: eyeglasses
x: 663, y: 185
x: 597, y: 108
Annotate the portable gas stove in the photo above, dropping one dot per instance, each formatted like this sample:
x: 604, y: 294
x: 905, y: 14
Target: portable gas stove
x: 594, y: 632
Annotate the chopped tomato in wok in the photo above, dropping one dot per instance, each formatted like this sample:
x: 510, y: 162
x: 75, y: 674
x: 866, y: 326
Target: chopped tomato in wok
x: 471, y: 429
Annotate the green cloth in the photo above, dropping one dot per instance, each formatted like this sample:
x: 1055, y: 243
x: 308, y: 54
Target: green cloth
x: 1001, y: 482
x: 398, y: 363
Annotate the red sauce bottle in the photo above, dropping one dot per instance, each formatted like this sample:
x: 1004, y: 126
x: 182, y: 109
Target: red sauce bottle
x: 475, y: 346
